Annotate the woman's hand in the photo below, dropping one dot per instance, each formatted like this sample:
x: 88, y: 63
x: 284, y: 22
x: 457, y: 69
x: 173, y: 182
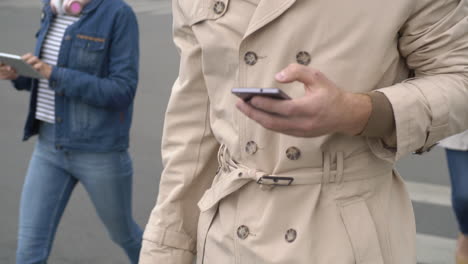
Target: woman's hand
x: 43, y: 68
x: 7, y: 72
x: 324, y: 108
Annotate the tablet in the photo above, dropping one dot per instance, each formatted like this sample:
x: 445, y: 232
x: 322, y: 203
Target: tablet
x: 21, y: 67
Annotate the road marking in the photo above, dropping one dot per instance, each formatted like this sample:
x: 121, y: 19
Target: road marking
x: 432, y: 249
x: 429, y: 193
x: 435, y: 250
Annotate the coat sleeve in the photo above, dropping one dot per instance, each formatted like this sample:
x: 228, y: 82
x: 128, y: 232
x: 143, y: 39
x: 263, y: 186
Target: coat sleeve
x: 23, y: 83
x: 189, y: 151
x: 433, y: 105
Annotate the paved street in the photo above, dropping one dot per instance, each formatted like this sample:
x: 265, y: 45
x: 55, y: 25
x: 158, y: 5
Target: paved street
x: 81, y: 237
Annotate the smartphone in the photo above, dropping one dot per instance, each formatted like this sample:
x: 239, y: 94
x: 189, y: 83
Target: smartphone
x: 247, y: 93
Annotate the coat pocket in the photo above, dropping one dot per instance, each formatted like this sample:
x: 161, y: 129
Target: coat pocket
x: 361, y: 232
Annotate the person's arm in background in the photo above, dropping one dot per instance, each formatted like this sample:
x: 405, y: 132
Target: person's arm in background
x: 189, y: 157
x: 118, y: 89
x: 433, y: 105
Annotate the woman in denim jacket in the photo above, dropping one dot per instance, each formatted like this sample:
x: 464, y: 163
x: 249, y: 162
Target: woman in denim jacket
x: 88, y: 52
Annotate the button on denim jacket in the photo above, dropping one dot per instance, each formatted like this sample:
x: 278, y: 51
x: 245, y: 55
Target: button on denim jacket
x: 95, y: 79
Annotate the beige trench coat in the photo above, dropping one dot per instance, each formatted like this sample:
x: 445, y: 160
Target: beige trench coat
x: 281, y: 199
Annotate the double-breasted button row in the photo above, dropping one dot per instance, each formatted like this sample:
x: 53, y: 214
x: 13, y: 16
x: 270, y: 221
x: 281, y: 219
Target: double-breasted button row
x: 302, y: 57
x: 292, y: 153
x: 219, y: 7
x: 243, y: 232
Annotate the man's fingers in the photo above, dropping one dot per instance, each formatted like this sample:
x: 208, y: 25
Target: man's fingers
x: 281, y: 107
x: 267, y: 120
x: 304, y: 74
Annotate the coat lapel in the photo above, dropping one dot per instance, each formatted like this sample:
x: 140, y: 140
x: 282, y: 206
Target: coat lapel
x: 266, y: 12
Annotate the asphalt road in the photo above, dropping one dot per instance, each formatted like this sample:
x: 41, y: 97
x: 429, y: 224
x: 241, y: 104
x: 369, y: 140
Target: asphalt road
x: 81, y: 237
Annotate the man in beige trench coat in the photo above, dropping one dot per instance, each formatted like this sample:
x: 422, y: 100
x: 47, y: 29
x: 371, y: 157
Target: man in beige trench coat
x: 307, y: 180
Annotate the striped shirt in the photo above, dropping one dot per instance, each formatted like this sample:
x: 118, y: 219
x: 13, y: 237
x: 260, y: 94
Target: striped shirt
x: 45, y: 109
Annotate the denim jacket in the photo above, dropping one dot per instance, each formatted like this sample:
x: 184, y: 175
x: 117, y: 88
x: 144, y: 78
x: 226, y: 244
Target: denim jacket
x: 95, y: 79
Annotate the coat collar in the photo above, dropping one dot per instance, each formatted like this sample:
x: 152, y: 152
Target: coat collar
x: 91, y: 6
x: 266, y: 12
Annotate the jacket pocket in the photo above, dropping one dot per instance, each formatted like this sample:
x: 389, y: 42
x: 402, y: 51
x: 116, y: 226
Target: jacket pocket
x: 361, y: 232
x: 79, y: 117
x: 198, y: 11
x: 89, y: 53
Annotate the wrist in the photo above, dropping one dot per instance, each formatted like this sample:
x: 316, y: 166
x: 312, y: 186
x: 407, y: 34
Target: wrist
x: 356, y: 111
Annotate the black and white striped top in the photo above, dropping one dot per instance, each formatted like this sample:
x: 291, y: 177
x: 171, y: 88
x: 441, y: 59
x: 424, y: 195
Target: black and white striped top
x: 45, y: 109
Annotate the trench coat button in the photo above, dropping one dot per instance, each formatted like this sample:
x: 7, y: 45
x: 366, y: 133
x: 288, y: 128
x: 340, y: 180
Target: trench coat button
x: 60, y: 93
x: 67, y: 37
x: 59, y: 120
x: 251, y: 147
x: 293, y: 153
x: 291, y: 235
x: 243, y: 232
x: 219, y: 7
x: 250, y: 58
x: 58, y: 147
x: 303, y: 57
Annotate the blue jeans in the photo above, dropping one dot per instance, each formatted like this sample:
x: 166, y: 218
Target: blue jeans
x: 458, y: 167
x: 50, y: 180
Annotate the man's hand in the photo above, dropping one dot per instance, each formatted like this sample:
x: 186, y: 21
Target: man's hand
x: 324, y: 108
x: 43, y: 68
x: 7, y: 72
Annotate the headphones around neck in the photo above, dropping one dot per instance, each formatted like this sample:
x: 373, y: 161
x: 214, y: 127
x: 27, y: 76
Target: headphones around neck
x: 69, y: 7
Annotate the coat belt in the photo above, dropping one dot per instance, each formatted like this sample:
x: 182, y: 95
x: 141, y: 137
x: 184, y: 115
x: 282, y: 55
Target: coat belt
x: 232, y: 176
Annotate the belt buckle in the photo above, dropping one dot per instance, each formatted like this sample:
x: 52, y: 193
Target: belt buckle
x: 275, y: 180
